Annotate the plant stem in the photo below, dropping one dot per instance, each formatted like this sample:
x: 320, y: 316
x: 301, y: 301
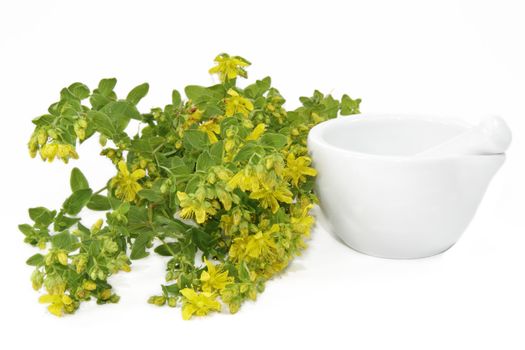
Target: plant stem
x: 102, y: 189
x: 167, y: 246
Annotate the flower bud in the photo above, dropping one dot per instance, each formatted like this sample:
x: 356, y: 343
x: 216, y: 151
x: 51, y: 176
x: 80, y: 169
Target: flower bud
x: 62, y: 258
x: 42, y: 137
x: 110, y: 246
x: 247, y: 123
x: 97, y: 225
x: 172, y: 301
x: 49, y: 259
x: 102, y: 140
x: 52, y: 133
x: 231, y: 132
x: 157, y: 300
x: 89, y: 285
x: 229, y: 145
x: 37, y: 279
x: 269, y: 163
x: 170, y: 276
x: 66, y: 299
x: 211, y: 178
x: 105, y: 294
x: 80, y: 262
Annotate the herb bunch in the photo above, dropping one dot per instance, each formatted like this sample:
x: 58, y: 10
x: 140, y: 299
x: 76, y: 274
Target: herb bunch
x: 221, y: 183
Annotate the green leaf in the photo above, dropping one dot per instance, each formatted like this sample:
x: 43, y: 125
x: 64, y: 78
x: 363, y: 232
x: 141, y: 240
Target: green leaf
x: 26, y: 229
x: 172, y: 289
x: 205, y: 161
x: 202, y: 239
x: 120, y: 113
x: 42, y: 216
x: 137, y: 216
x: 244, y: 272
x: 349, y: 106
x: 196, y: 92
x: 137, y: 93
x: 102, y: 123
x: 176, y: 99
x: 274, y: 140
x: 178, y: 167
x: 172, y: 227
x: 65, y: 241
x: 151, y: 195
x: 258, y: 88
x: 63, y: 222
x: 67, y: 96
x: 98, y: 101
x: 140, y: 245
x: 43, y: 120
x: 147, y: 144
x: 77, y: 180
x: 330, y: 107
x: 195, y: 139
x: 35, y: 260
x: 78, y: 200
x: 99, y: 203
x: 106, y: 86
x: 247, y: 151
x: 164, y: 251
x: 192, y: 184
x: 79, y: 90
x: 216, y: 152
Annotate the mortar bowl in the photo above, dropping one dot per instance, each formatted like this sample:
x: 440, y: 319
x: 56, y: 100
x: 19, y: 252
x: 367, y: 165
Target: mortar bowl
x: 384, y: 200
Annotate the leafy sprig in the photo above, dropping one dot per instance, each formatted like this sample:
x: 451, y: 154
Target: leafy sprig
x: 221, y: 183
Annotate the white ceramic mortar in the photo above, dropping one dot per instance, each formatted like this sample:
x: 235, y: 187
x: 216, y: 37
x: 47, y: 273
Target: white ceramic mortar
x: 383, y: 200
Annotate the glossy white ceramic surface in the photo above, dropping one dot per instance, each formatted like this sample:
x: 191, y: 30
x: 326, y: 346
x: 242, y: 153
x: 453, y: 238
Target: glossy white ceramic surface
x: 383, y: 200
x: 490, y: 136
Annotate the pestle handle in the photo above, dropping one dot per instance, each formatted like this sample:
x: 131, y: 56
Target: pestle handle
x: 490, y: 136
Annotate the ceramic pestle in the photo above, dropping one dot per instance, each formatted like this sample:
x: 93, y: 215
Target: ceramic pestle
x: 490, y: 136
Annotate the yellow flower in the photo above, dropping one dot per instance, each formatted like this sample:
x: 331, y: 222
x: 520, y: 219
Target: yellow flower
x: 48, y: 151
x: 224, y: 197
x: 212, y: 129
x: 59, y: 303
x: 228, y: 68
x: 246, y: 179
x: 126, y: 184
x: 270, y: 196
x: 62, y: 257
x: 193, y: 118
x: 256, y: 132
x: 260, y: 245
x: 192, y: 205
x: 63, y: 151
x: 298, y: 168
x: 214, y: 279
x: 237, y: 104
x: 303, y: 222
x: 199, y: 304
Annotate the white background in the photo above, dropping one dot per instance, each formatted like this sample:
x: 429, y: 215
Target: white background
x: 458, y: 58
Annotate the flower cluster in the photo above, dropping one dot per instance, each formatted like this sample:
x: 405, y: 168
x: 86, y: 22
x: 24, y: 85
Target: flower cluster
x: 223, y: 175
